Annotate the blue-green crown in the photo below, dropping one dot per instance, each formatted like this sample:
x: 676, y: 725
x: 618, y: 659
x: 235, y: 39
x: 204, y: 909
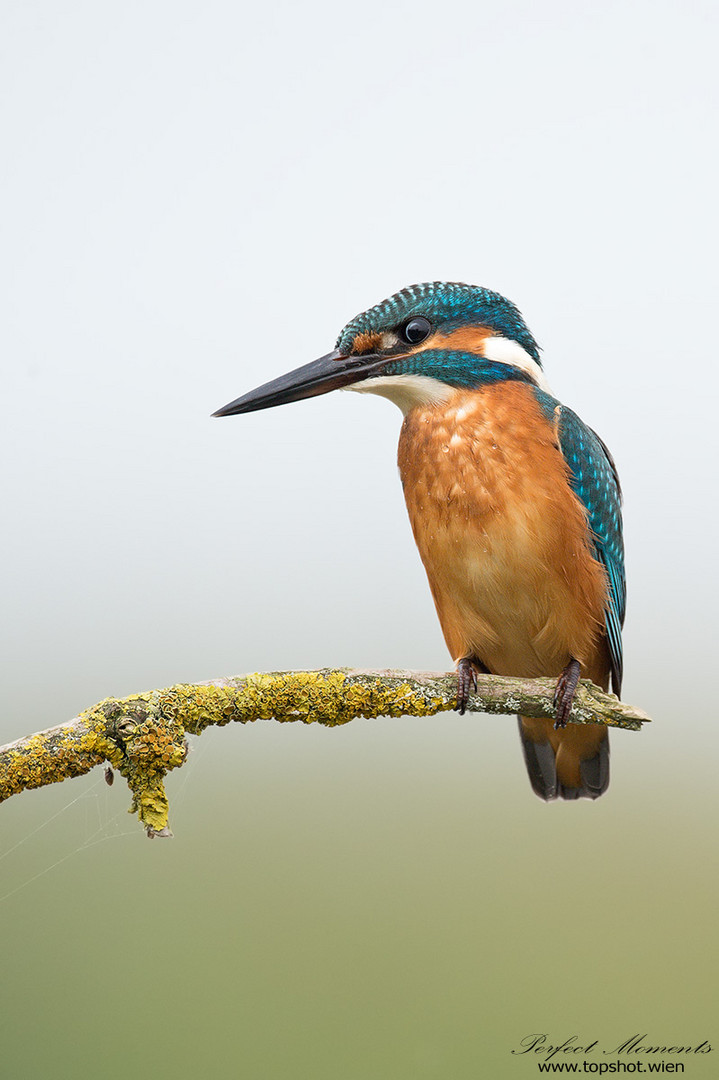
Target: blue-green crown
x: 448, y: 305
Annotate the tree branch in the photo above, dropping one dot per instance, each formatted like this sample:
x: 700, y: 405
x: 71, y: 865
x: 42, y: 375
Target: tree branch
x: 143, y: 736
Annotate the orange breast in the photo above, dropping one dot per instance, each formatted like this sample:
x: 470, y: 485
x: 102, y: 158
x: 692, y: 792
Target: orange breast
x: 503, y: 539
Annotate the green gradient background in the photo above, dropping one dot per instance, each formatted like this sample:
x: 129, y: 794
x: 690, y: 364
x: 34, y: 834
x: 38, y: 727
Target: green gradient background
x: 201, y: 196
x: 362, y: 902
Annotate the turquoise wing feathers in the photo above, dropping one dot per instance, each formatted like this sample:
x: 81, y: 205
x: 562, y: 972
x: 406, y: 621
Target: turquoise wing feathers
x: 594, y: 480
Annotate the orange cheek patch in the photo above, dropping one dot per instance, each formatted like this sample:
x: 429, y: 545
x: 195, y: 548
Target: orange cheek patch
x: 367, y: 341
x: 465, y: 339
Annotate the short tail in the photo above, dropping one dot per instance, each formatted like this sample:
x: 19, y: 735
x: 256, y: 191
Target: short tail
x: 572, y: 763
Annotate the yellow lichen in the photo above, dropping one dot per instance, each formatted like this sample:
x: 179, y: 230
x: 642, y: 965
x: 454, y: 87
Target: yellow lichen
x: 143, y: 736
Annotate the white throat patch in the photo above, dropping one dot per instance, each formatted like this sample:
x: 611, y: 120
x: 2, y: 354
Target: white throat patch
x: 406, y: 391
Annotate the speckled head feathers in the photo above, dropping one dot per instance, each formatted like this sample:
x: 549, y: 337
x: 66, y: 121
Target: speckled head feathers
x: 448, y: 305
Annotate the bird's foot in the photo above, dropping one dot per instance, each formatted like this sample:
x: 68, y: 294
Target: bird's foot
x: 466, y: 682
x: 467, y: 669
x: 564, y: 694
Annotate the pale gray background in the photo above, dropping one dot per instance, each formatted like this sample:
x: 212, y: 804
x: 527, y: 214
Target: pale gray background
x: 196, y: 197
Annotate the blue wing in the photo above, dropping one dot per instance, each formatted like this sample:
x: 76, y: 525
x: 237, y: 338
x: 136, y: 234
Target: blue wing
x: 593, y: 479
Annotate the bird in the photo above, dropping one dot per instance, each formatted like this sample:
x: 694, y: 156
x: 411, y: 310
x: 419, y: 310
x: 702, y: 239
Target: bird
x: 514, y: 504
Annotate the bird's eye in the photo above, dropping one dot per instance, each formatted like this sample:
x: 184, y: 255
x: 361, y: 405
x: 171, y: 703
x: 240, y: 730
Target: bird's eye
x: 415, y: 330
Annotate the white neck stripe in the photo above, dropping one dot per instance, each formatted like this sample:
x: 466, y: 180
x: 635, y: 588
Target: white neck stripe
x: 505, y: 351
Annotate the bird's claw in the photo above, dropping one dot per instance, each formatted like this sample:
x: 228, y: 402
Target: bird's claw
x: 466, y: 682
x: 564, y: 693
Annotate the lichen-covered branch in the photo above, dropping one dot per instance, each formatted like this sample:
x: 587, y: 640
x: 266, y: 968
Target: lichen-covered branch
x: 143, y: 736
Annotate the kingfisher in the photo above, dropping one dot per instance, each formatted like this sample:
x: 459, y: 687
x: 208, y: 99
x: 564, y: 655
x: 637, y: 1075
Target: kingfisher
x: 514, y: 503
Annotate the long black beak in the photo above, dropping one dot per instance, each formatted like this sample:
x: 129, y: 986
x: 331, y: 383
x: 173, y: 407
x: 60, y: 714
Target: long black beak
x: 330, y: 372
